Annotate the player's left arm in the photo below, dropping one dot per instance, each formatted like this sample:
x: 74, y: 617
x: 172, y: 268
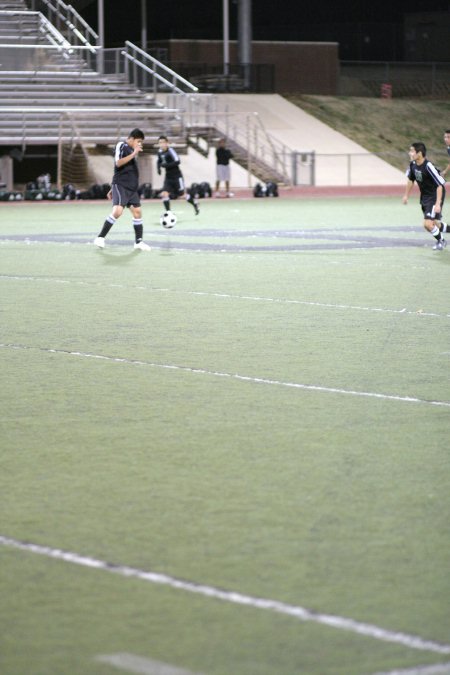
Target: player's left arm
x: 127, y: 158
x: 440, y: 182
x: 439, y: 191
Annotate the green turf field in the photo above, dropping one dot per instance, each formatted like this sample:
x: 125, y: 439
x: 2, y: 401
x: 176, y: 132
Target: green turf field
x: 261, y: 405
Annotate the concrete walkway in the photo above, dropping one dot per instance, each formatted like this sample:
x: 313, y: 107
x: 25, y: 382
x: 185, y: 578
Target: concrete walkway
x: 339, y: 160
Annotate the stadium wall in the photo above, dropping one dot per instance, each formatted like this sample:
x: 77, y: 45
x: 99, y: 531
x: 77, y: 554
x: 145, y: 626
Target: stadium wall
x: 301, y: 67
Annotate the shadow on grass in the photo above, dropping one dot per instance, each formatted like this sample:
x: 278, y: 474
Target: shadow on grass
x: 442, y: 257
x: 118, y: 258
x: 165, y: 248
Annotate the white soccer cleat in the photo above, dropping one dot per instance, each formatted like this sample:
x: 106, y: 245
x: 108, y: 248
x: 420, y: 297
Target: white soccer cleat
x: 440, y: 245
x: 100, y: 242
x: 142, y: 246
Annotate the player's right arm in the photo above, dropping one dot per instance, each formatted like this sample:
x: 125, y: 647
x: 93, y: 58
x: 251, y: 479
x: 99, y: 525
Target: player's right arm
x: 408, y: 189
x: 409, y: 185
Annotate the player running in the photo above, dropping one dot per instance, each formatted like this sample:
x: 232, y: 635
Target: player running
x: 447, y: 143
x: 124, y: 189
x: 173, y: 180
x: 432, y: 192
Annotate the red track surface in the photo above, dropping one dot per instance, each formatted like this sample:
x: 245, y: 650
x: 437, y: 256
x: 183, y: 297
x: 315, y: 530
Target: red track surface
x: 297, y: 192
x: 333, y: 191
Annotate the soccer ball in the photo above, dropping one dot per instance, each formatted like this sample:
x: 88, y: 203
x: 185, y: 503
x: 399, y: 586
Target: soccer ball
x: 168, y: 219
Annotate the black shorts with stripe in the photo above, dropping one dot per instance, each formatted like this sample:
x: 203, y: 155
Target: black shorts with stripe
x: 427, y: 203
x: 174, y: 185
x: 122, y: 196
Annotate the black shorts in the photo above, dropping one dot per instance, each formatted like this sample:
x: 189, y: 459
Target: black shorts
x: 427, y: 203
x: 174, y: 185
x: 122, y: 196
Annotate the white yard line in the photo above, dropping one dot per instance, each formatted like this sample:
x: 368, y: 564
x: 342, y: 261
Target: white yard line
x: 230, y: 296
x: 142, y: 666
x: 232, y: 376
x: 234, y: 597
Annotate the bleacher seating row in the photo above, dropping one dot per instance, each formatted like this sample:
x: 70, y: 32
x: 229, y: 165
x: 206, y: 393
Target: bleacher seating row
x: 48, y: 79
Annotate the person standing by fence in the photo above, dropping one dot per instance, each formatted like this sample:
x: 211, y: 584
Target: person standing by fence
x: 223, y: 156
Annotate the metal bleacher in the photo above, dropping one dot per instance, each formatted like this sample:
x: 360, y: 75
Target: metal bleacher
x: 57, y: 88
x: 52, y: 92
x: 49, y: 94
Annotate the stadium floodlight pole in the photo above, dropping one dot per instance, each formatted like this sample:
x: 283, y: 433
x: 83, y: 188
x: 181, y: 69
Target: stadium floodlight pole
x: 144, y: 25
x: 101, y: 36
x: 226, y: 38
x: 245, y: 39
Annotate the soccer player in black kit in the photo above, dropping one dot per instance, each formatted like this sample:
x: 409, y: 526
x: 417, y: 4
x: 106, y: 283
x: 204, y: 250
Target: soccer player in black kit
x: 432, y: 192
x: 124, y: 189
x: 447, y: 143
x: 173, y: 180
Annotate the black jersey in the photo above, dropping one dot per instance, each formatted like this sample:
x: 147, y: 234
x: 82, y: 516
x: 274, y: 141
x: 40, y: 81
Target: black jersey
x: 427, y: 178
x: 127, y: 175
x: 223, y: 156
x: 169, y: 160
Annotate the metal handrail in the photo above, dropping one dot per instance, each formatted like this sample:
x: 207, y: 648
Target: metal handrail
x: 79, y: 18
x: 247, y: 131
x: 70, y: 17
x: 69, y: 48
x: 152, y: 72
x: 159, y: 64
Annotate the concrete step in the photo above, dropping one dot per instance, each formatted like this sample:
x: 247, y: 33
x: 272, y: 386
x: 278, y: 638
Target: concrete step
x: 67, y: 95
x: 19, y: 20
x: 71, y: 87
x: 14, y: 6
x: 66, y: 102
x: 67, y: 91
x: 57, y: 79
x: 23, y: 39
x: 95, y: 119
x: 54, y: 139
x: 34, y: 127
x: 83, y: 127
x: 8, y: 27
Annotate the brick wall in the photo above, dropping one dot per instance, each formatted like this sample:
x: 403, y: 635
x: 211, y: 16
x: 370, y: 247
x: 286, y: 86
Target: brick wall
x: 300, y: 67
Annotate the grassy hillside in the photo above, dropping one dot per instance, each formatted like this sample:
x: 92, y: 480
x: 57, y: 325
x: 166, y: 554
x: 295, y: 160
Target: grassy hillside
x: 384, y: 126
